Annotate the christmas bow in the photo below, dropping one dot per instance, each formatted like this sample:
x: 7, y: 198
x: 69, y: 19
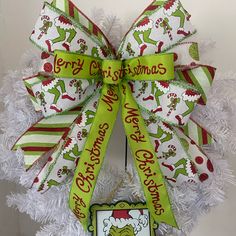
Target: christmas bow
x: 79, y: 96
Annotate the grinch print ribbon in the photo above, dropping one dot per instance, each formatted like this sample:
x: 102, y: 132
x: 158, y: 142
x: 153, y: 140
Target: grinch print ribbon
x: 81, y: 85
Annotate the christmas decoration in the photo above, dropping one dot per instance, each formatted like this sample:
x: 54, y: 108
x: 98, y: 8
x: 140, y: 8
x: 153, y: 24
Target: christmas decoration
x: 121, y: 219
x: 156, y: 113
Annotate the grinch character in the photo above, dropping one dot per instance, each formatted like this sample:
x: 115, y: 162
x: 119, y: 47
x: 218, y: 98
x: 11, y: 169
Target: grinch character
x: 50, y: 184
x: 142, y: 32
x: 63, y: 171
x: 83, y: 46
x: 170, y: 153
x: 41, y: 97
x: 159, y: 88
x: 129, y: 49
x: 174, y: 101
x: 120, y: 55
x: 127, y: 230
x: 100, y: 52
x: 86, y: 118
x: 66, y: 33
x: 56, y: 87
x: 82, y: 134
x: 47, y: 24
x: 182, y: 167
x: 164, y: 24
x: 174, y: 8
x: 78, y: 86
x: 190, y: 97
x: 150, y: 120
x: 125, y: 223
x: 143, y: 88
x: 164, y: 134
x: 71, y: 150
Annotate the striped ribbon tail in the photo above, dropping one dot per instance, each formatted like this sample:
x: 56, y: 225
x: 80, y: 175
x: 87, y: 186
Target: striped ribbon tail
x: 29, y: 82
x: 44, y: 136
x: 202, y: 77
x: 197, y: 133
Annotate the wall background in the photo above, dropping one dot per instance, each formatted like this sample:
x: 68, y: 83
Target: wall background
x: 213, y: 19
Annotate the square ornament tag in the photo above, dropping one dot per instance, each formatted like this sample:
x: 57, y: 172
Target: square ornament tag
x: 121, y: 219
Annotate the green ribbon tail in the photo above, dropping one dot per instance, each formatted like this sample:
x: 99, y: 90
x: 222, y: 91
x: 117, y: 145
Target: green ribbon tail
x: 145, y: 160
x: 92, y: 157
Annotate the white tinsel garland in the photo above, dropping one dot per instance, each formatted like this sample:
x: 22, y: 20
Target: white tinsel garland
x: 189, y: 202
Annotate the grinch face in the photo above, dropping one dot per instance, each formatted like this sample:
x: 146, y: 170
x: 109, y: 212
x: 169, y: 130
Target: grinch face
x: 128, y: 230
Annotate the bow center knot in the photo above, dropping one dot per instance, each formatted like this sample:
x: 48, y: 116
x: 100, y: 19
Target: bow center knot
x: 112, y: 71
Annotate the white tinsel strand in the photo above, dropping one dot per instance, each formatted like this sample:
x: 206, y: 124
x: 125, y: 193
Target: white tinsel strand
x: 218, y: 116
x: 110, y: 25
x: 205, y: 46
x: 53, y: 205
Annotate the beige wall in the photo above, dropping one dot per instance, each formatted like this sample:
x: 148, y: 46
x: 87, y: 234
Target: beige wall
x: 214, y: 19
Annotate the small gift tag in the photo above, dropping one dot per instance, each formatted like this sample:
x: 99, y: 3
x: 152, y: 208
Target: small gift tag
x: 121, y: 219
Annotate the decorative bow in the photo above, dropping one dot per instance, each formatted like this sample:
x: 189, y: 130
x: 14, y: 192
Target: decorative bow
x: 80, y: 88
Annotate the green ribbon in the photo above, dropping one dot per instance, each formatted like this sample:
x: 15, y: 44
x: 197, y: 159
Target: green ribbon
x: 148, y: 68
x: 115, y: 75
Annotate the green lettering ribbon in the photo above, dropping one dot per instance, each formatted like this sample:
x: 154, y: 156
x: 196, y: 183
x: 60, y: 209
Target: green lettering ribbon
x: 115, y: 75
